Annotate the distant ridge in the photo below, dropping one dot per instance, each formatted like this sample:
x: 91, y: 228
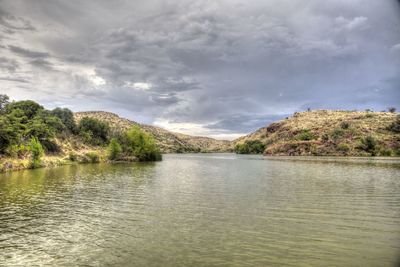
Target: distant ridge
x: 168, y: 142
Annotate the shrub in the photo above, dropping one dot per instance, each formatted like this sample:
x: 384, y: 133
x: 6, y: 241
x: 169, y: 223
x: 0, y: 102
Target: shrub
x: 369, y: 144
x: 141, y: 145
x: 92, y: 157
x: 395, y: 126
x: 345, y: 125
x: 37, y: 152
x: 305, y: 135
x: 93, y: 131
x: 28, y: 107
x: 385, y: 152
x: 67, y: 118
x: 72, y: 156
x: 337, y: 134
x: 114, y: 149
x: 9, y: 134
x: 250, y: 147
x: 369, y: 115
x: 4, y: 101
x: 325, y: 137
x: 343, y: 147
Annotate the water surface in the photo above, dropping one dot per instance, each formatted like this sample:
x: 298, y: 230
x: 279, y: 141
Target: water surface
x: 204, y: 210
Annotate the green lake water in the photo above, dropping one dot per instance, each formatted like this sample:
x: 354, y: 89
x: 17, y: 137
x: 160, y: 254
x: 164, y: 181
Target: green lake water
x: 204, y: 210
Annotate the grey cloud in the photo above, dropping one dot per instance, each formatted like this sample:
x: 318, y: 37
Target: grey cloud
x: 13, y: 23
x: 14, y: 79
x: 27, y: 52
x: 41, y: 63
x: 228, y: 65
x: 8, y: 64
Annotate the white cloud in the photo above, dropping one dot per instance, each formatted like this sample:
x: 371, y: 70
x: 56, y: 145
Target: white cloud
x: 138, y: 85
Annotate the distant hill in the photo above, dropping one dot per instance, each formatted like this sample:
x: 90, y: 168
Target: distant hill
x: 327, y: 132
x: 168, y: 142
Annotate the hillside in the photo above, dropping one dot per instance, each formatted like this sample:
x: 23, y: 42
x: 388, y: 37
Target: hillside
x: 168, y: 142
x: 325, y: 132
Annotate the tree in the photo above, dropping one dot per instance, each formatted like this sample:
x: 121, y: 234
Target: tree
x: 30, y: 108
x: 67, y: 118
x: 8, y: 134
x: 37, y: 152
x: 4, y: 100
x: 141, y: 145
x: 93, y: 130
x: 114, y: 149
x: 392, y: 109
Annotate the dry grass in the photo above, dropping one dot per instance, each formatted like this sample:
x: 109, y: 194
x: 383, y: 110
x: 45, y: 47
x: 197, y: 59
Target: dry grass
x: 332, y: 133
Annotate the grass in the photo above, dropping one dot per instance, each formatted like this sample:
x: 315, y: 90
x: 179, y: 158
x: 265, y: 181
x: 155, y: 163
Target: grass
x: 331, y: 132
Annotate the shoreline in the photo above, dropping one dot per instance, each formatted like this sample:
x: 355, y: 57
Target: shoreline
x: 8, y: 165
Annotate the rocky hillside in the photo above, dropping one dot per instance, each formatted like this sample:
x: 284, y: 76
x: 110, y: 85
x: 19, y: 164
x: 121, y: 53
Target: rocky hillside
x: 168, y: 142
x: 325, y: 132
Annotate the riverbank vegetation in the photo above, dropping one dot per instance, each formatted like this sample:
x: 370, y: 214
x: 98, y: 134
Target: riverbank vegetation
x: 32, y: 136
x: 250, y: 147
x: 328, y: 133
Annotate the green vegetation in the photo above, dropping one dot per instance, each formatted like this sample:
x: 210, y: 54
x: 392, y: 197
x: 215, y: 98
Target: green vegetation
x: 30, y: 133
x: 369, y: 144
x: 332, y: 132
x: 94, y: 131
x: 343, y: 147
x: 91, y: 157
x: 114, y: 149
x: 344, y: 125
x: 67, y: 118
x: 37, y: 153
x: 250, y: 147
x: 305, y: 135
x: 140, y: 145
x: 395, y: 126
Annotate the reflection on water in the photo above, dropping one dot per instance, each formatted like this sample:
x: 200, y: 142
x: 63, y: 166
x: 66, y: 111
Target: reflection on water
x: 204, y: 210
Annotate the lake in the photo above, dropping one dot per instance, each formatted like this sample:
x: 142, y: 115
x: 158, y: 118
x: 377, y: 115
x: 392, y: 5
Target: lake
x: 204, y: 210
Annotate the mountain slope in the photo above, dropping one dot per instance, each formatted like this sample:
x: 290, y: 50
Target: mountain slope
x: 167, y: 141
x: 327, y: 132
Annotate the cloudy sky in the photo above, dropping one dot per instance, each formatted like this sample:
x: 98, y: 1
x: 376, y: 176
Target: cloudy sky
x: 216, y: 68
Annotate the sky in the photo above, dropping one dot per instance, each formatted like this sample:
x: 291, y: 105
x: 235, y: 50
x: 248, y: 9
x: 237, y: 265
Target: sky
x: 219, y: 68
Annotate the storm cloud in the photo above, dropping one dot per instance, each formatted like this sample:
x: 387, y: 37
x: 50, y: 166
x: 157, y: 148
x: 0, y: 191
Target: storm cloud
x: 216, y: 68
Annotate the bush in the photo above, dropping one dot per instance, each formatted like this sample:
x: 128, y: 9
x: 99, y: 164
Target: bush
x: 37, y: 152
x: 72, y: 156
x: 28, y: 107
x: 141, y: 145
x: 325, y: 137
x: 395, y: 126
x: 345, y: 125
x: 4, y: 101
x: 337, y: 134
x: 114, y: 149
x: 67, y: 118
x: 250, y: 147
x: 9, y: 134
x: 385, y: 152
x: 93, y: 131
x: 305, y: 135
x: 343, y: 147
x: 92, y: 157
x: 369, y: 144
